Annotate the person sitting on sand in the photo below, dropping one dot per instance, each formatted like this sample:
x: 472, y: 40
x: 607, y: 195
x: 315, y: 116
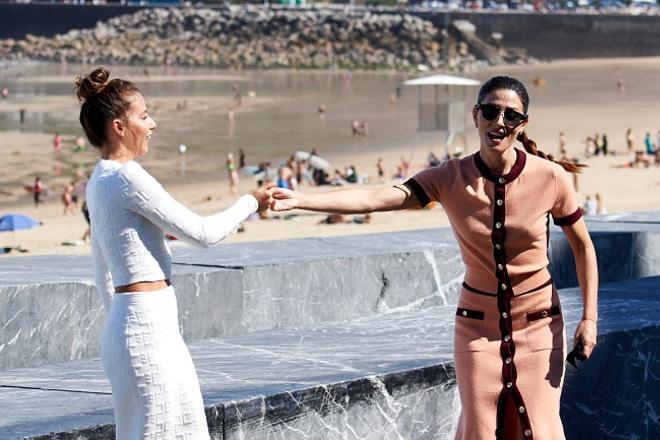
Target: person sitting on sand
x: 351, y: 175
x: 589, y: 206
x: 650, y: 148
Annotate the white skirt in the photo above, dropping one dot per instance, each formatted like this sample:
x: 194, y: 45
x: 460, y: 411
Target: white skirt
x: 154, y: 384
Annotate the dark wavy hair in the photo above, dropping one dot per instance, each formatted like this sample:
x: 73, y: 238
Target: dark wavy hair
x: 101, y: 100
x: 509, y: 83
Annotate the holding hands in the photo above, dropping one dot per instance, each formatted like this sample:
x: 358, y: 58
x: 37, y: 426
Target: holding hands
x: 264, y: 195
x: 277, y: 199
x: 284, y: 199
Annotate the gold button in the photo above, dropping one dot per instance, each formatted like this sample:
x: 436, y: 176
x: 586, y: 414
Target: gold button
x: 464, y: 313
x: 528, y: 432
x: 501, y: 180
x: 498, y: 225
x: 544, y: 313
x: 500, y: 202
x: 504, y: 286
x: 507, y: 360
x: 507, y: 338
x: 505, y: 315
x: 521, y: 409
x: 509, y: 384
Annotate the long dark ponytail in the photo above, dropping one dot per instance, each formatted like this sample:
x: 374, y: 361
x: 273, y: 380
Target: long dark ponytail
x: 509, y: 83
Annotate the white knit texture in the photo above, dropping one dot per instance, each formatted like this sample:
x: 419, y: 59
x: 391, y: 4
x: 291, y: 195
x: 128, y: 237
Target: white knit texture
x: 154, y: 385
x: 130, y: 213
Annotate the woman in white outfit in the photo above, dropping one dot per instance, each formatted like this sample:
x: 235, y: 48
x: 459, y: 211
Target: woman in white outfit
x: 154, y: 385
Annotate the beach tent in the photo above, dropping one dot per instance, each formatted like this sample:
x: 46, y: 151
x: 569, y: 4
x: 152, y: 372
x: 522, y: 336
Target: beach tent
x: 441, y: 105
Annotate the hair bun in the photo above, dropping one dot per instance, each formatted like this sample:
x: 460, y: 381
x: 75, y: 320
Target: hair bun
x: 92, y: 83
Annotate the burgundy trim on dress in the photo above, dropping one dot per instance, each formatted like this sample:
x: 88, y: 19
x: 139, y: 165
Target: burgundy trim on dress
x: 504, y: 296
x: 419, y: 192
x: 569, y: 219
x: 481, y: 292
x: 477, y: 291
x: 516, y: 169
x: 552, y: 311
x: 472, y: 314
x: 546, y: 284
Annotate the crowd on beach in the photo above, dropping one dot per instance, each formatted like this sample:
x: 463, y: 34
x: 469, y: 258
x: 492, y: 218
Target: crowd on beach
x: 309, y: 168
x: 598, y: 145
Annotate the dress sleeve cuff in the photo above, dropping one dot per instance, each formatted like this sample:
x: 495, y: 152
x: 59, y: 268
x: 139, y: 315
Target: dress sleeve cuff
x: 250, y: 202
x: 419, y: 192
x: 569, y: 219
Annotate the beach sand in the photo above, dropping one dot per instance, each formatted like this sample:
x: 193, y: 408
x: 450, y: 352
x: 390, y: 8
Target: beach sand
x: 580, y: 98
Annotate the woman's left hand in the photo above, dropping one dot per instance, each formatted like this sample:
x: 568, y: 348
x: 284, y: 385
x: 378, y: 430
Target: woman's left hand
x: 587, y: 331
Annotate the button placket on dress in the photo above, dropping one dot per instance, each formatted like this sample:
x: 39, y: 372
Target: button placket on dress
x: 504, y: 296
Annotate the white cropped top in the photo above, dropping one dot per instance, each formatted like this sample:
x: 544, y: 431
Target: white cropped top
x: 130, y: 213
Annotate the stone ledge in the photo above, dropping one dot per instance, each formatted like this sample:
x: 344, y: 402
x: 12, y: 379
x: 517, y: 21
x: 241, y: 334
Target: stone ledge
x: 241, y: 288
x: 395, y: 368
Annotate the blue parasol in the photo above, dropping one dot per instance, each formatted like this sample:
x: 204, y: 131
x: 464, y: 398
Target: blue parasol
x: 14, y: 222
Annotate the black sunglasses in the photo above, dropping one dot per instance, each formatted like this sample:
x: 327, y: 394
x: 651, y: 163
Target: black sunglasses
x: 490, y: 112
x: 576, y: 357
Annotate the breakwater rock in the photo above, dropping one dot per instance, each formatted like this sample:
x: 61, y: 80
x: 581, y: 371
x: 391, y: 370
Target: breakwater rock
x: 265, y: 38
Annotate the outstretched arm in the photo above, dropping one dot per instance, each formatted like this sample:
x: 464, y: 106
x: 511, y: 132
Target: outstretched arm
x: 346, y: 201
x: 587, y: 272
x: 147, y: 197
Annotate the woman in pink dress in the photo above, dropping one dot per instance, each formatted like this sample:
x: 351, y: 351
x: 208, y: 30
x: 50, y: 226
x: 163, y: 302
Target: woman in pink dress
x: 509, y: 342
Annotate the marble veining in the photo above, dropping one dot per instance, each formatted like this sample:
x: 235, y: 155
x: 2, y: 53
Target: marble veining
x: 380, y: 376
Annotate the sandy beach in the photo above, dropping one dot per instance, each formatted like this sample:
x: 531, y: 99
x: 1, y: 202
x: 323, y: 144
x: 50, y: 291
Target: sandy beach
x: 579, y: 97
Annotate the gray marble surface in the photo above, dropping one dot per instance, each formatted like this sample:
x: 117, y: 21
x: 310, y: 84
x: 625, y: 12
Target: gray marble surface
x: 62, y: 320
x: 384, y: 373
x: 641, y: 217
x: 49, y: 310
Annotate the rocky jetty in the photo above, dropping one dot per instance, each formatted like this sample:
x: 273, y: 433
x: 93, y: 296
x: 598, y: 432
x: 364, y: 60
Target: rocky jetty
x: 264, y: 38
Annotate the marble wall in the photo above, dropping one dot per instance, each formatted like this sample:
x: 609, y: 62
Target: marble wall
x: 386, y: 375
x: 411, y: 405
x: 49, y: 310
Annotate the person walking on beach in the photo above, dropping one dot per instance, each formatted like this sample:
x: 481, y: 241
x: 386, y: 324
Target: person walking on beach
x: 562, y: 145
x: 380, y: 168
x: 67, y: 199
x: 232, y: 173
x: 509, y: 343
x: 37, y: 191
x: 57, y: 144
x: 630, y: 141
x: 154, y: 384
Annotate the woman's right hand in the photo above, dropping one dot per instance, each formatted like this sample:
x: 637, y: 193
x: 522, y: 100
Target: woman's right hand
x: 264, y: 196
x: 284, y: 199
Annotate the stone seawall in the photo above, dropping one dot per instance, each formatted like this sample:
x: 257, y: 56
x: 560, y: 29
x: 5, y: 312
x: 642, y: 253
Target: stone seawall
x: 543, y: 36
x: 559, y: 36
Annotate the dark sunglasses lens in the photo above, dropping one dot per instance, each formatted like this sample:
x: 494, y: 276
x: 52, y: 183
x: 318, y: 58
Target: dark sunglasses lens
x: 512, y: 117
x: 489, y: 111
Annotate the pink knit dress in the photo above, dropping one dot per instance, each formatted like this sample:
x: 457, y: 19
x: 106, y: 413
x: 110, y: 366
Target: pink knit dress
x: 509, y: 342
